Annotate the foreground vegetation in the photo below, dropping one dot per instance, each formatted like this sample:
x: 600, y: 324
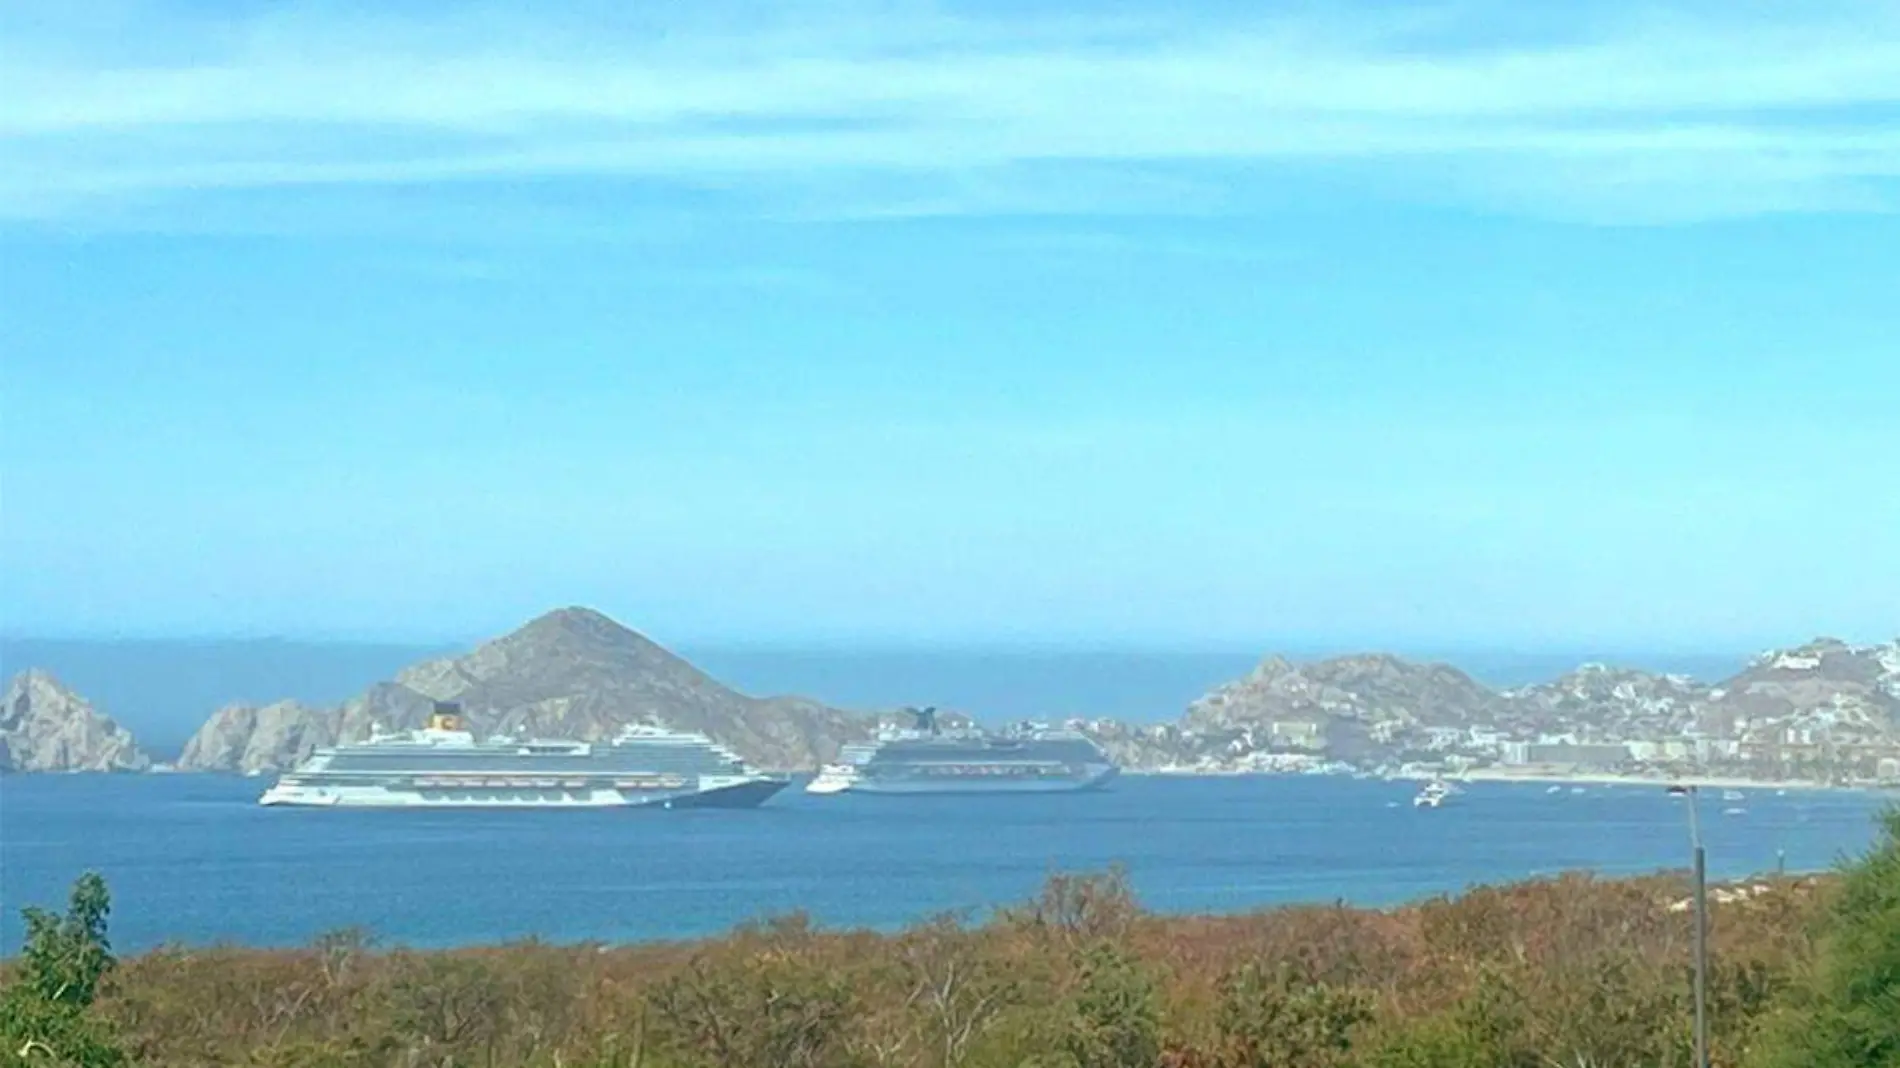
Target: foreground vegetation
x: 1567, y: 973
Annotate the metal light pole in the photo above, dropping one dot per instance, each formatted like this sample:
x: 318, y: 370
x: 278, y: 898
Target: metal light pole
x: 1688, y: 794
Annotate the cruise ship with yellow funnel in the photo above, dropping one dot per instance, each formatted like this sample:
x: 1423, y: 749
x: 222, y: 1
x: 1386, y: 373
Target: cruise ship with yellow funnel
x: 444, y: 766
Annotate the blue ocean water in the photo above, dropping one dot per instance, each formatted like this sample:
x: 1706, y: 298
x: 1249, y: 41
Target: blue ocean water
x: 193, y: 859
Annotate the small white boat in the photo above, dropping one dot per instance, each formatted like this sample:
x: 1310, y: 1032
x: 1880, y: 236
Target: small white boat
x: 1555, y: 790
x: 1731, y: 795
x: 1432, y: 796
x: 833, y: 779
x: 1734, y: 812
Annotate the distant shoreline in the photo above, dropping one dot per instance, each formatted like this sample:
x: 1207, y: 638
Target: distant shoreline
x: 1490, y: 775
x: 1555, y: 777
x: 1606, y: 778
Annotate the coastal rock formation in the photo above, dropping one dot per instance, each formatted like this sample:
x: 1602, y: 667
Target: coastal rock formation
x: 1851, y: 694
x: 1345, y: 708
x: 1365, y: 687
x: 46, y: 727
x: 250, y: 738
x: 1597, y: 699
x: 1159, y: 746
x: 573, y: 673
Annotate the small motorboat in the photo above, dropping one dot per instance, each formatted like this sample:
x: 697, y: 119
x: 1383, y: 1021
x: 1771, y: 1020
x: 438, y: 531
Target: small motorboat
x: 833, y: 779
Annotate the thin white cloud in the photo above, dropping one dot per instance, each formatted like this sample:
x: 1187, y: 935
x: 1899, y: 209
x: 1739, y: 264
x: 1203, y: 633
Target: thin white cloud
x: 783, y: 281
x: 886, y: 110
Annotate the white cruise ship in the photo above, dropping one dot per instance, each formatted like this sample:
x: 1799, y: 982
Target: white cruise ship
x: 443, y: 766
x: 927, y: 759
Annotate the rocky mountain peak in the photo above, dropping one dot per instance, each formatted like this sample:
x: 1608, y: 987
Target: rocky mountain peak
x: 1273, y: 666
x: 45, y: 726
x: 571, y: 673
x: 550, y: 654
x: 1609, y: 680
x: 1387, y: 669
x: 576, y: 629
x: 36, y: 682
x: 1600, y: 697
x: 1853, y: 692
x: 1828, y: 658
x: 1356, y: 687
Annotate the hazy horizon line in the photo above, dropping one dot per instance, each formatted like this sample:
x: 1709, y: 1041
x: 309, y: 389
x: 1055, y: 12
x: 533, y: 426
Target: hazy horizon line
x: 1264, y: 646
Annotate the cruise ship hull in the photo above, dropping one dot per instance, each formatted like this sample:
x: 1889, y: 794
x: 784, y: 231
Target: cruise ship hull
x: 710, y: 793
x: 911, y: 783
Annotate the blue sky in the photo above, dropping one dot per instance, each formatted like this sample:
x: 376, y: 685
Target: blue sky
x: 1525, y: 326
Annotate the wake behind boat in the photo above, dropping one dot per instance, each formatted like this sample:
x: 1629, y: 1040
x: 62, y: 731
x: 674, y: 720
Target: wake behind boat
x: 443, y: 766
x: 927, y: 759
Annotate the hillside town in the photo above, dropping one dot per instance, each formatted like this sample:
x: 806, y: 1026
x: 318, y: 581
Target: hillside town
x: 1824, y: 713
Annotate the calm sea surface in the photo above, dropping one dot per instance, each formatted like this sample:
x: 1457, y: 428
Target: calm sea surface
x: 194, y: 859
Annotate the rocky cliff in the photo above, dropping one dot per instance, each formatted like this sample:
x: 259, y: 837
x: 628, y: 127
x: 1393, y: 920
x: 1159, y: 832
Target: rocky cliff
x: 46, y: 727
x: 1826, y: 684
x: 1598, y: 698
x: 251, y: 738
x: 1365, y: 687
x: 572, y: 673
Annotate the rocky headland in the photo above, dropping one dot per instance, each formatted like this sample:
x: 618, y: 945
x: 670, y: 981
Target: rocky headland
x: 46, y: 727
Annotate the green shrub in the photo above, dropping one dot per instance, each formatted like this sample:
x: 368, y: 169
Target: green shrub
x: 45, y: 1009
x: 1273, y: 1018
x: 1113, y: 1021
x: 1845, y: 1010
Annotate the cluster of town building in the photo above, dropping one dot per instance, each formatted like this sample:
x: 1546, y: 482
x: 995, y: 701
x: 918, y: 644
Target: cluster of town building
x: 1826, y: 712
x: 1817, y: 752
